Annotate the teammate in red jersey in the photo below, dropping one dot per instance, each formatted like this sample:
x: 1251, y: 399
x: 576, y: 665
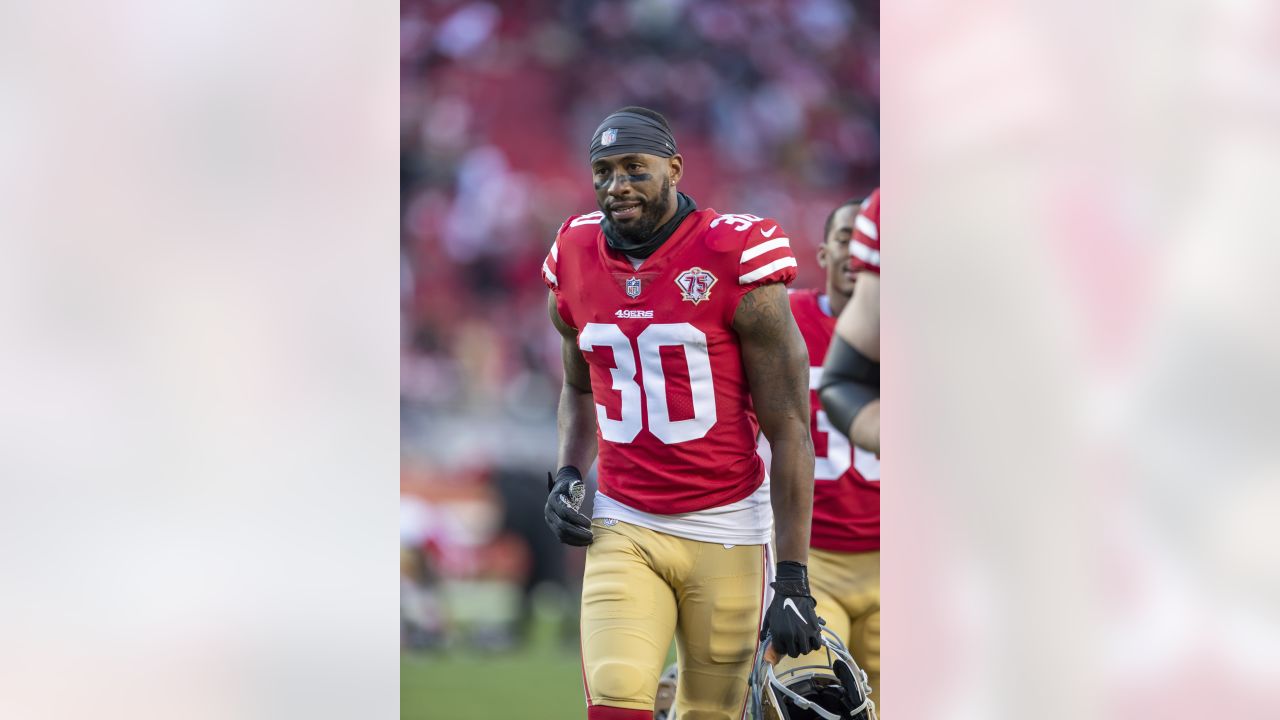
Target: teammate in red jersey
x: 844, y: 557
x: 679, y: 346
x: 850, y: 391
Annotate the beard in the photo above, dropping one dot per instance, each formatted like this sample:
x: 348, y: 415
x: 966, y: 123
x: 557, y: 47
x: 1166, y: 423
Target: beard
x: 642, y: 228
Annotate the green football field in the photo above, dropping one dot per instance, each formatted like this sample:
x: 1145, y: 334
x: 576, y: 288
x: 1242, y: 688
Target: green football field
x: 540, y: 682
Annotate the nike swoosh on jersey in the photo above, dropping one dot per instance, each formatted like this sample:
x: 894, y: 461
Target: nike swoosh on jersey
x: 792, y: 604
x: 771, y: 231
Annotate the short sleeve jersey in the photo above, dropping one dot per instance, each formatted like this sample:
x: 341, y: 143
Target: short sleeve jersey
x: 865, y: 247
x: 846, y: 487
x: 675, y: 424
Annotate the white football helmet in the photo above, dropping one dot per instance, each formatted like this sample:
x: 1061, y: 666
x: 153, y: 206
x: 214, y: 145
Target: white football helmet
x: 837, y: 689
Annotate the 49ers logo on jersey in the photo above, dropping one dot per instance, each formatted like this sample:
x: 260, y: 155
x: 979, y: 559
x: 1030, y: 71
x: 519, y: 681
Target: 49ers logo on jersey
x: 695, y: 284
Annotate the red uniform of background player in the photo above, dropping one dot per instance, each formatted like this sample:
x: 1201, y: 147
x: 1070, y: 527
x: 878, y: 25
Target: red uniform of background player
x: 846, y: 488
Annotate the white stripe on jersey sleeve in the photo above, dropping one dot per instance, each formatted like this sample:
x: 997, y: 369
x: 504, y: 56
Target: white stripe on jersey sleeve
x: 764, y: 247
x: 760, y: 272
x: 546, y: 271
x: 865, y: 254
x: 555, y: 249
x: 866, y: 227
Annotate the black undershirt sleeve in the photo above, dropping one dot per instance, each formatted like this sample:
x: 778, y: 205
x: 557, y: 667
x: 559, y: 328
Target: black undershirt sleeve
x: 850, y: 380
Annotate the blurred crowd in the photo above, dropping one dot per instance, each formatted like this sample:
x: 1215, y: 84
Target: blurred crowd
x: 774, y: 104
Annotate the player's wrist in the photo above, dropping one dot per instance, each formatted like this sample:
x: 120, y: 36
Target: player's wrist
x: 568, y: 471
x: 791, y: 578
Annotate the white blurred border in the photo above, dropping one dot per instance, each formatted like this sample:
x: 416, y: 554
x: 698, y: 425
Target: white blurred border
x: 198, y: 216
x: 1079, y: 360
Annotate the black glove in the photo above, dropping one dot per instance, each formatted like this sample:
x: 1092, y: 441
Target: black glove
x: 791, y: 618
x: 567, y: 489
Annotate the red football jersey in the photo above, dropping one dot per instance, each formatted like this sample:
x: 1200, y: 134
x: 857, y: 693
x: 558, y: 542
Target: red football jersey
x: 675, y: 425
x: 846, y: 487
x: 865, y: 247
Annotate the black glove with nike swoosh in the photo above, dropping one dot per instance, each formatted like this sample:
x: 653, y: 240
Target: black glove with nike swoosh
x: 566, y: 493
x: 791, y: 618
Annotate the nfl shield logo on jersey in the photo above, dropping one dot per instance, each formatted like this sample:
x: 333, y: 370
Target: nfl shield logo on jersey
x: 695, y: 284
x: 633, y: 287
x: 609, y: 137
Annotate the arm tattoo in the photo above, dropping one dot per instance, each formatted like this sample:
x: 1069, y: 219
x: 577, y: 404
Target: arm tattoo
x: 761, y: 314
x: 775, y: 356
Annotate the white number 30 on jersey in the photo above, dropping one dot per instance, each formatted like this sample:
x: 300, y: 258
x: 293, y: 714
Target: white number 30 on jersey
x: 623, y: 374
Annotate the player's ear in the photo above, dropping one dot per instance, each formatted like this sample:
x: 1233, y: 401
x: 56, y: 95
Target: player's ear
x: 675, y: 168
x: 822, y: 256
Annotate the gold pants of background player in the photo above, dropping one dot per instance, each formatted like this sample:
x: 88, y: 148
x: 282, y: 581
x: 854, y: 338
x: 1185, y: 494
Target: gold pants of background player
x: 847, y: 588
x: 640, y: 588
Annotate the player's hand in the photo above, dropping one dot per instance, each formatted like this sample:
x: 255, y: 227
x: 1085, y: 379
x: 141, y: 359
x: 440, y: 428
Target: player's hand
x: 566, y: 492
x: 792, y: 619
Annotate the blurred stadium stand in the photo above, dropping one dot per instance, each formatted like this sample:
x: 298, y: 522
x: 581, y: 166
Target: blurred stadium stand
x: 775, y: 106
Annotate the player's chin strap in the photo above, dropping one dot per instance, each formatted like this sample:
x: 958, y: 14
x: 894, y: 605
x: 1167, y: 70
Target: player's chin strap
x: 770, y: 682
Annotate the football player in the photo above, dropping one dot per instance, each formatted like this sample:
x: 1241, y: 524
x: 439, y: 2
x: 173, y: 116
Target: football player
x: 850, y: 391
x: 679, y: 347
x: 844, y: 553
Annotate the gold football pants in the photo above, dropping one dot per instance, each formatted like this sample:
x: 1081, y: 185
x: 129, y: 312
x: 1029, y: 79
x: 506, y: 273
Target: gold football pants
x: 847, y: 588
x: 639, y: 588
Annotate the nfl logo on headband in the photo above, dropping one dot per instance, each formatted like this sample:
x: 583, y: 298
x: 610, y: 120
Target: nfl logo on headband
x: 609, y: 137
